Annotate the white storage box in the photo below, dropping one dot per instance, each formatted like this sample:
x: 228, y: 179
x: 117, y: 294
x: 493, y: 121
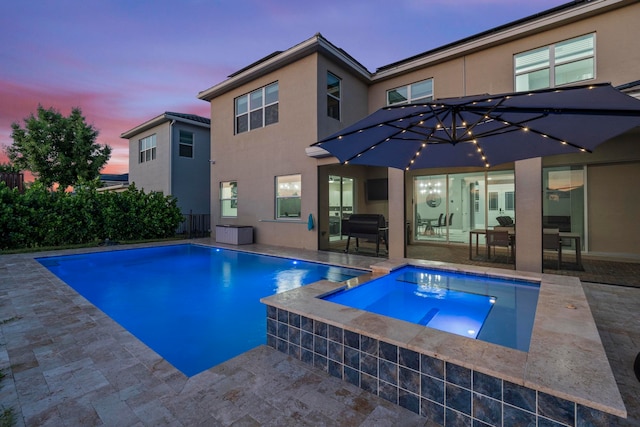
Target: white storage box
x: 234, y: 234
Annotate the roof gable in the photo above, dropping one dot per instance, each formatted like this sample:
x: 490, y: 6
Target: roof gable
x: 166, y: 117
x: 280, y: 59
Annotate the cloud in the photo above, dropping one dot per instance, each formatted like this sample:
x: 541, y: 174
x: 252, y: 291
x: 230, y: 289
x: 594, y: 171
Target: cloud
x: 19, y: 101
x: 124, y: 62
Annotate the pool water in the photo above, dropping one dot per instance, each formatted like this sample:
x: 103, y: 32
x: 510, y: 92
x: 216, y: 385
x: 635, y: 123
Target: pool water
x: 196, y: 306
x: 495, y: 310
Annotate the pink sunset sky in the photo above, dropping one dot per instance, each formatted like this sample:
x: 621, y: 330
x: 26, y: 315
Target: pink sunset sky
x: 124, y: 62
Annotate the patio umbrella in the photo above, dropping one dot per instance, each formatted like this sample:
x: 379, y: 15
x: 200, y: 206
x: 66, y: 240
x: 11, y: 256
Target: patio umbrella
x: 486, y: 130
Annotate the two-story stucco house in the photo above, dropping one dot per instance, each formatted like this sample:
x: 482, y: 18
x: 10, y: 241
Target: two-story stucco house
x: 266, y: 116
x: 170, y: 153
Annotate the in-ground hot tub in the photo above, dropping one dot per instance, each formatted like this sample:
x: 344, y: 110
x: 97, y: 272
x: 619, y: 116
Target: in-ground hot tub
x: 564, y: 377
x: 496, y: 310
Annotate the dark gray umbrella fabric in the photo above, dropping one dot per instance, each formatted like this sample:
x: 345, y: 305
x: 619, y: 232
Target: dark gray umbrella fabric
x: 486, y: 130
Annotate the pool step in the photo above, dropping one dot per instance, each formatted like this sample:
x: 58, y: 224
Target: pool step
x: 427, y: 317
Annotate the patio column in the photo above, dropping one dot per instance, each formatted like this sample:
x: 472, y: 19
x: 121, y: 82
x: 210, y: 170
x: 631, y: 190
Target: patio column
x: 397, y: 230
x: 528, y: 176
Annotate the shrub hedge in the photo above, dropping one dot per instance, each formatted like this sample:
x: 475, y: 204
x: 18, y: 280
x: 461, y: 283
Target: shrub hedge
x: 41, y: 218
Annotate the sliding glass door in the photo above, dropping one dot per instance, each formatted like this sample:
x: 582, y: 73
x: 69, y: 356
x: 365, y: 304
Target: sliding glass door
x: 563, y: 199
x: 448, y: 206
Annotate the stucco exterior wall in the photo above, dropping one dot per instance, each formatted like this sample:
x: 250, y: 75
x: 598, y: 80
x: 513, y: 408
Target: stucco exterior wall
x: 189, y: 180
x: 613, y: 208
x: 255, y: 158
x: 491, y: 69
x: 153, y: 175
x: 354, y: 96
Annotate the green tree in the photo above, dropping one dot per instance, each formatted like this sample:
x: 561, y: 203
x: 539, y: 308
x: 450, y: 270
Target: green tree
x: 8, y: 168
x: 58, y: 149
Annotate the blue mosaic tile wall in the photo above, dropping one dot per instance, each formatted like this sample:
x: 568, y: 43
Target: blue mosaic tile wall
x: 445, y: 393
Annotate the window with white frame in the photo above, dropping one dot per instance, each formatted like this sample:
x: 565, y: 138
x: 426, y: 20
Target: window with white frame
x: 288, y: 196
x: 333, y: 96
x: 562, y: 63
x: 185, y: 148
x: 415, y: 92
x: 257, y: 109
x: 229, y: 199
x: 147, y: 148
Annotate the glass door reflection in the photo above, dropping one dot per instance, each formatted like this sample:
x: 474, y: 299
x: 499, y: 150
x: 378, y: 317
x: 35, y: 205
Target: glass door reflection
x: 448, y: 207
x: 341, y: 200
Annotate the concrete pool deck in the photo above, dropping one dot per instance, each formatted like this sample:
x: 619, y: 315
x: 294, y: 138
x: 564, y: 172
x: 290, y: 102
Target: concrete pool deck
x: 66, y: 363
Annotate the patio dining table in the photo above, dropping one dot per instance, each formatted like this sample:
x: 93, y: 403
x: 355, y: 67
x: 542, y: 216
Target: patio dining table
x: 565, y: 236
x: 428, y: 229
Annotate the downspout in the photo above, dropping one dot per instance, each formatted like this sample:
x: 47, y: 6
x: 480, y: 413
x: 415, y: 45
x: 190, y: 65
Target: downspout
x: 171, y: 123
x: 464, y: 75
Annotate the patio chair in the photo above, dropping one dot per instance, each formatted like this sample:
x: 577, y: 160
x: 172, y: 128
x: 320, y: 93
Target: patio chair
x: 500, y: 238
x: 505, y: 221
x: 551, y: 241
x: 442, y: 221
x: 421, y: 223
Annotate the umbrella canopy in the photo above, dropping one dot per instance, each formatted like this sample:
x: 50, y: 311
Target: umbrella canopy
x: 486, y: 130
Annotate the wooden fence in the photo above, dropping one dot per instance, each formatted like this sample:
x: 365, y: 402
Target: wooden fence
x: 13, y: 180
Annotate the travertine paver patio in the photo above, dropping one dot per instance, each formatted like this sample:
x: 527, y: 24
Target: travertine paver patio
x: 66, y: 363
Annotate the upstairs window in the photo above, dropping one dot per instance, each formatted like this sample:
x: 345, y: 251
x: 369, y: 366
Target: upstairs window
x: 257, y: 109
x: 185, y: 148
x: 147, y: 148
x: 555, y: 65
x: 416, y: 92
x: 333, y: 96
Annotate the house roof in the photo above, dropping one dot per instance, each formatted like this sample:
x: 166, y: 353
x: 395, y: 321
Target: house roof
x: 191, y: 117
x: 545, y: 20
x: 552, y: 18
x: 124, y: 177
x: 484, y: 33
x: 631, y: 88
x: 166, y: 117
x: 254, y: 64
x: 279, y: 59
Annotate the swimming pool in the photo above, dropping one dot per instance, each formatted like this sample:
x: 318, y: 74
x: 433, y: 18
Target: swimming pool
x: 490, y: 309
x: 196, y: 306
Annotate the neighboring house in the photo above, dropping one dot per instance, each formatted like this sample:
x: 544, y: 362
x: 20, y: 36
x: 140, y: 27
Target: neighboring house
x: 113, y: 182
x: 170, y: 153
x: 268, y: 114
